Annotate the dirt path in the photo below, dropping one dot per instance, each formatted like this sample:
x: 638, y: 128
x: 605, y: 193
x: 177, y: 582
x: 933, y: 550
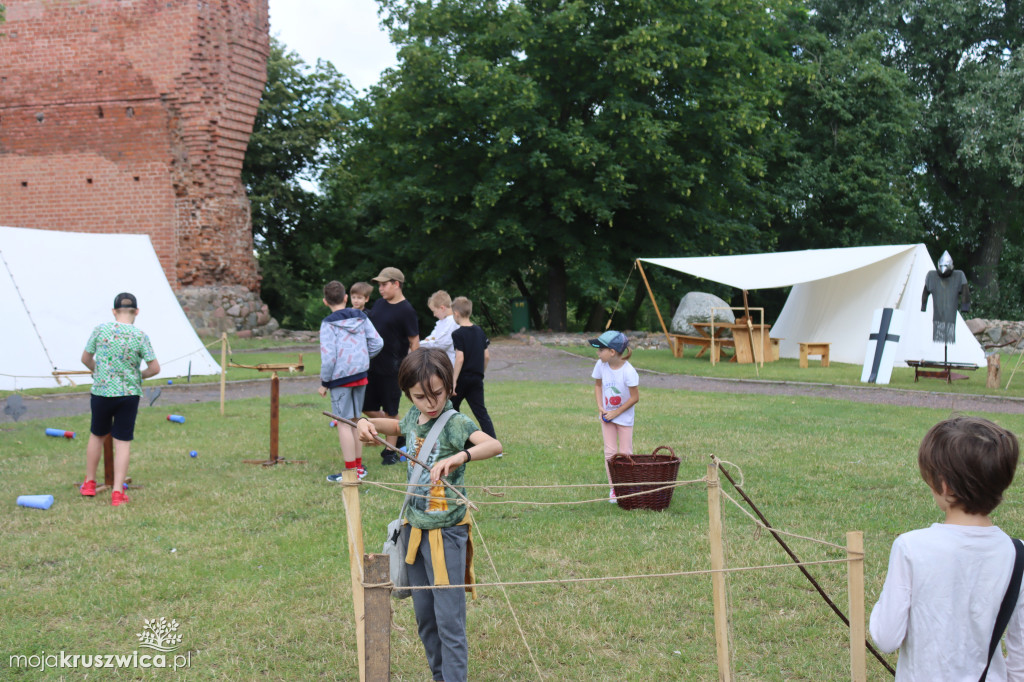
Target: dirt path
x: 513, y: 360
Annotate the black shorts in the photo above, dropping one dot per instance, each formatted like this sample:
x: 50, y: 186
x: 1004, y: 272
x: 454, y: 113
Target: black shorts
x: 382, y: 394
x: 120, y: 412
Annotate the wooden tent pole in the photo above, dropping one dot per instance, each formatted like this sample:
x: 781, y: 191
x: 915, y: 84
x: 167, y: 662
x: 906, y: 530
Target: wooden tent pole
x: 750, y: 330
x: 721, y: 608
x: 855, y: 589
x: 654, y: 303
x: 223, y: 368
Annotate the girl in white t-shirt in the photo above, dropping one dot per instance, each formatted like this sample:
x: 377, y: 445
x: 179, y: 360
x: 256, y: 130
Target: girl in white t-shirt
x: 616, y: 390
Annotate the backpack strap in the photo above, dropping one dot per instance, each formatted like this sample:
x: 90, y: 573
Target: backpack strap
x: 427, y: 446
x: 1009, y: 603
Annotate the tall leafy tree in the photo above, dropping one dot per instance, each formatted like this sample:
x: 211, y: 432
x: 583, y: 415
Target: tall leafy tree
x: 847, y: 177
x: 298, y: 126
x: 963, y: 59
x: 550, y: 142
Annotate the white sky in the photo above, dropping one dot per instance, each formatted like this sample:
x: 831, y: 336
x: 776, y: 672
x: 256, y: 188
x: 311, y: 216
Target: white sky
x: 346, y: 33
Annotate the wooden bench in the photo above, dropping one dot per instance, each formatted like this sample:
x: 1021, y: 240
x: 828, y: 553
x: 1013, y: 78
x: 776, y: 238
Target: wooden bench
x: 927, y: 369
x: 809, y: 348
x: 678, y: 341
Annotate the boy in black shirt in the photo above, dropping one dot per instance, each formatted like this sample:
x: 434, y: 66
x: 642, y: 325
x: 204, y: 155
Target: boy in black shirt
x: 471, y: 358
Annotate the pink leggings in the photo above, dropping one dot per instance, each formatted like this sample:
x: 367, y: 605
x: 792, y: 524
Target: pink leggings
x: 617, y: 439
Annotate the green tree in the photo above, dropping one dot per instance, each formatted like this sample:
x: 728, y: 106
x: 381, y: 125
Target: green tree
x: 846, y: 178
x: 963, y: 59
x: 548, y: 143
x: 299, y: 123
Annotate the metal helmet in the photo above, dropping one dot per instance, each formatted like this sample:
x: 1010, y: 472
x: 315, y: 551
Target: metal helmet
x: 945, y: 264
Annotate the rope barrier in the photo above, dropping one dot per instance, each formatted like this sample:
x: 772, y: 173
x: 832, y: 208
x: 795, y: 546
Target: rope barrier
x: 854, y: 556
x: 166, y: 362
x: 760, y: 524
x: 508, y: 601
x: 661, y: 485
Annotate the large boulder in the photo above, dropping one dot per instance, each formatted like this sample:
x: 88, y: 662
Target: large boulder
x: 696, y: 307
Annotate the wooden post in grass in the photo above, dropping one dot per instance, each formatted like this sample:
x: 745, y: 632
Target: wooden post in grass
x: 354, y: 523
x: 855, y: 588
x: 718, y: 579
x: 377, y: 572
x: 223, y: 368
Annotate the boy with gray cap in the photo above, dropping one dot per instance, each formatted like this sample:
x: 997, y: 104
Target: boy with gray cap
x: 113, y: 354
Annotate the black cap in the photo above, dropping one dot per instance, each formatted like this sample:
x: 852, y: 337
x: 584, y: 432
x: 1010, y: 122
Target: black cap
x: 125, y: 300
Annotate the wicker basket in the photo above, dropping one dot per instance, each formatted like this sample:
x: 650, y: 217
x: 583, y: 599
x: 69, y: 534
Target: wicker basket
x: 654, y: 471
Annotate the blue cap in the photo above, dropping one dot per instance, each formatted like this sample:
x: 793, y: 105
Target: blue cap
x: 617, y: 341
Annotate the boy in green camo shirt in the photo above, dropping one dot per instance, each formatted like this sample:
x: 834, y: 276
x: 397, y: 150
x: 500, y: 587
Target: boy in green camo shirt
x: 114, y: 353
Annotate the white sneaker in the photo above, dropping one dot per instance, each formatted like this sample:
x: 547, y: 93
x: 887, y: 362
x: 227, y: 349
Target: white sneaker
x: 499, y: 455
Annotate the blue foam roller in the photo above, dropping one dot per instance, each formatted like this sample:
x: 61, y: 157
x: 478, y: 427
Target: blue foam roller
x: 35, y: 501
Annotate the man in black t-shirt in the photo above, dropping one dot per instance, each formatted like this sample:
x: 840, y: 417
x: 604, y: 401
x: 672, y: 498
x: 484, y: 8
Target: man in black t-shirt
x: 395, y: 320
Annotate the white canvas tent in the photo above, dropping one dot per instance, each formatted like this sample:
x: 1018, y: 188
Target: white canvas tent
x: 56, y: 286
x: 835, y: 292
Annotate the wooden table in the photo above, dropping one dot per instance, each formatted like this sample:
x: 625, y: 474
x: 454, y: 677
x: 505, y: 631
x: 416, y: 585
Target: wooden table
x: 751, y: 343
x: 705, y: 339
x: 809, y: 348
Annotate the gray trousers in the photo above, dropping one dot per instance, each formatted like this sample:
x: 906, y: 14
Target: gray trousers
x: 441, y: 614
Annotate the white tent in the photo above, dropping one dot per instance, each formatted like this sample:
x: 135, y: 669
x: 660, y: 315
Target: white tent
x: 56, y: 286
x: 835, y: 292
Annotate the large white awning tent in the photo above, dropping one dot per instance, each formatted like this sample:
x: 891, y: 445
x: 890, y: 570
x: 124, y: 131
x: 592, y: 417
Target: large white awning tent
x: 835, y: 292
x: 56, y: 286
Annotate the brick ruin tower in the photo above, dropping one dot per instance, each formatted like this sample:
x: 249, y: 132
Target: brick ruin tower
x: 133, y: 116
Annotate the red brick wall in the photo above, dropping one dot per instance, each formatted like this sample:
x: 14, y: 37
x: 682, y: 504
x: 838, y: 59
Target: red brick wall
x: 133, y: 116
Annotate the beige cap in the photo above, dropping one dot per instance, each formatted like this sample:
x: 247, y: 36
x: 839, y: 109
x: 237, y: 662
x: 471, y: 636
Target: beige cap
x: 388, y: 274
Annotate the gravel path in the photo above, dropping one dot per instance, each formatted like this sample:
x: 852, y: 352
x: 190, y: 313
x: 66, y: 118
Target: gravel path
x: 515, y: 360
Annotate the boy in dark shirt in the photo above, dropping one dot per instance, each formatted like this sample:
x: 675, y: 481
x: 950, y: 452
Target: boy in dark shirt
x: 471, y: 358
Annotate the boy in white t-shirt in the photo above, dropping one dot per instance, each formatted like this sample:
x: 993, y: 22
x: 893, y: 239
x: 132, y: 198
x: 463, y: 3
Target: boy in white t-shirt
x: 616, y: 389
x: 945, y: 583
x: 440, y: 304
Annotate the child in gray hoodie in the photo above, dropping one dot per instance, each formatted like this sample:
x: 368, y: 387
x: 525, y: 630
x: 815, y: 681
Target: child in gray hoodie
x: 347, y: 342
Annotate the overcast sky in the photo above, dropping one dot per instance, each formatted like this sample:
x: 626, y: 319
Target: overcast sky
x: 347, y: 33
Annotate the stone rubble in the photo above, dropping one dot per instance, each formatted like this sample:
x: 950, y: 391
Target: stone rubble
x: 232, y: 309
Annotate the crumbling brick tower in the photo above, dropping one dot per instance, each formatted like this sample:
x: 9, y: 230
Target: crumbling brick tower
x: 133, y: 116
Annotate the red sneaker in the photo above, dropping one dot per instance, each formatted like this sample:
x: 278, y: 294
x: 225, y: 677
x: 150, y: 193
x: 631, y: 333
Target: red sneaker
x: 117, y: 498
x: 88, y: 489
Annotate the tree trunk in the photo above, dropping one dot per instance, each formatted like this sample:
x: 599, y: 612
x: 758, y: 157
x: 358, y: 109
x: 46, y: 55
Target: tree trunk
x: 597, y: 318
x: 634, y: 310
x: 557, y: 284
x: 985, y: 261
x: 530, y: 306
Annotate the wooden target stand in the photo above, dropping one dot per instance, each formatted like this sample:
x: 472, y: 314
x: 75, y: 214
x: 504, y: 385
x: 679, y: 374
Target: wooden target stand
x: 108, y: 442
x: 108, y: 468
x: 275, y: 407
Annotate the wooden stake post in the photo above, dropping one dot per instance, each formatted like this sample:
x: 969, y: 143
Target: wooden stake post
x: 275, y: 402
x: 855, y: 588
x: 354, y: 527
x: 721, y: 607
x: 378, y: 617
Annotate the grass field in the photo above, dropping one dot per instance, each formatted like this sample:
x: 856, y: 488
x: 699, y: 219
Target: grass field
x: 253, y: 564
